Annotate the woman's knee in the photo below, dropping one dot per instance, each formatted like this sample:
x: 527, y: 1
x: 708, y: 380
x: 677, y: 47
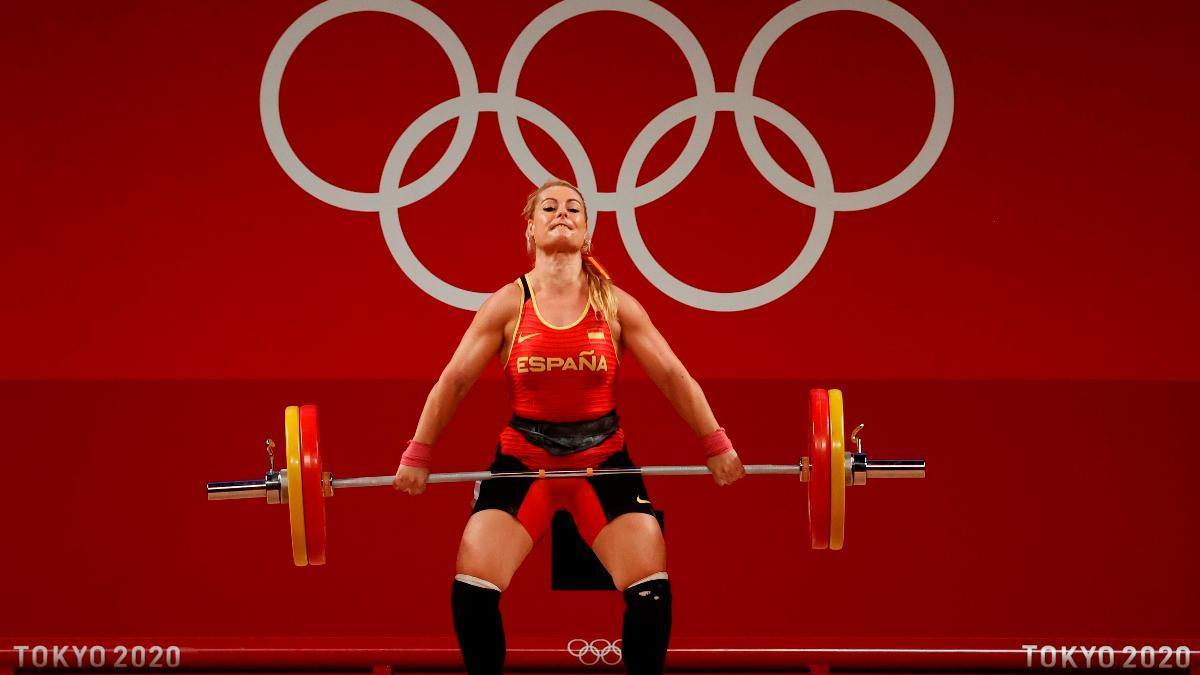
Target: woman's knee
x: 631, y: 548
x: 493, y: 546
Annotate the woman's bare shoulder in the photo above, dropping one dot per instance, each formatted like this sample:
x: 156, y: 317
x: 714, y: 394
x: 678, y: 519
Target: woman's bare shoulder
x: 503, y: 305
x: 627, y: 306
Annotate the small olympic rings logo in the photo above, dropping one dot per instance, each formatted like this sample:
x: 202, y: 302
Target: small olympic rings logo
x: 628, y: 195
x: 596, y: 651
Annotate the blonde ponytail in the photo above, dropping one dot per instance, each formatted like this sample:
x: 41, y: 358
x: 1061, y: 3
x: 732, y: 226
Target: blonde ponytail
x: 600, y: 289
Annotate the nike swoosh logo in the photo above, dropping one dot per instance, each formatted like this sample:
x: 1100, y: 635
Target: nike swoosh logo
x: 522, y: 338
x: 643, y: 501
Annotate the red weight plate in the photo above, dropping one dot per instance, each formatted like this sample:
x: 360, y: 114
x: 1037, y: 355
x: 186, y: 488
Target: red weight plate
x: 314, y: 495
x: 819, y: 487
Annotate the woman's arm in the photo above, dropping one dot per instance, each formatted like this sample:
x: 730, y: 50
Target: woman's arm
x: 482, y: 340
x: 479, y: 344
x: 650, y: 348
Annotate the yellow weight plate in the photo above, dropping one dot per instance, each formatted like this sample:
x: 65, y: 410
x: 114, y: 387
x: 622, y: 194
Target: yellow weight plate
x: 837, y: 466
x: 291, y: 436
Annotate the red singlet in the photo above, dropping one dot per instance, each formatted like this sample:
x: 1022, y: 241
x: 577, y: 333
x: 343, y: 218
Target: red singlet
x: 560, y: 374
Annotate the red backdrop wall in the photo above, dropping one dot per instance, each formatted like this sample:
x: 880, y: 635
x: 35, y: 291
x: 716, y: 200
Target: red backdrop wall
x: 1024, y: 316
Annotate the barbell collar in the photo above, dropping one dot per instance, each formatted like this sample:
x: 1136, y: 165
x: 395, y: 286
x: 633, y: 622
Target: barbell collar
x: 267, y: 488
x: 237, y: 489
x: 895, y: 468
x: 861, y: 468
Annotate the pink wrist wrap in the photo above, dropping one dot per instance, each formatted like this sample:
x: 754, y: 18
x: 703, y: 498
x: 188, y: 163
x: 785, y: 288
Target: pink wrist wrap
x: 417, y: 454
x: 716, y: 443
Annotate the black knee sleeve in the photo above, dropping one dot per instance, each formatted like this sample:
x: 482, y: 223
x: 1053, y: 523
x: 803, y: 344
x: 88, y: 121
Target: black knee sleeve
x: 478, y: 626
x: 647, y: 627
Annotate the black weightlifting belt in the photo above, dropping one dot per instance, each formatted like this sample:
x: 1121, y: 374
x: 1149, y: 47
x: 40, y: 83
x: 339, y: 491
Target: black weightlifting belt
x: 566, y: 438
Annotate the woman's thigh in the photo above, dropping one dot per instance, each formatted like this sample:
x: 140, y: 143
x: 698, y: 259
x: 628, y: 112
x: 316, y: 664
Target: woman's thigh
x: 631, y: 548
x: 494, y: 544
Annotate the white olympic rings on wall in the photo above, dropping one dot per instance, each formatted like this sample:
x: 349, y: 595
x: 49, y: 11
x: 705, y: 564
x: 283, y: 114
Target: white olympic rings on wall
x: 596, y: 651
x: 628, y: 195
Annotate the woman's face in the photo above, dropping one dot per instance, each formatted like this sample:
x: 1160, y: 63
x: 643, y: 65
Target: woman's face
x: 558, y: 223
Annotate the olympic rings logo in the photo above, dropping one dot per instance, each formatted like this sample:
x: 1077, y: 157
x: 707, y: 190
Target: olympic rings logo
x: 628, y: 195
x: 596, y: 651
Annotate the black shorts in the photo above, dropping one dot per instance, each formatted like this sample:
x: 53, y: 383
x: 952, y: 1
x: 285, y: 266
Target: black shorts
x: 593, y: 502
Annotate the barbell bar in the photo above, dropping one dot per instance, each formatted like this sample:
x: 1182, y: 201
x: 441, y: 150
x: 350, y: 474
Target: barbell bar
x: 309, y: 484
x: 254, y: 489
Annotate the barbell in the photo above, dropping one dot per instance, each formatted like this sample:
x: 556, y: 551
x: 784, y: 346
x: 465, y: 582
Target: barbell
x: 829, y: 469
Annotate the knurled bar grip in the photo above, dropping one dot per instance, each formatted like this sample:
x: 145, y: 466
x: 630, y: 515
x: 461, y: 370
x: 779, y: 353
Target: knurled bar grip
x: 896, y: 468
x: 696, y: 470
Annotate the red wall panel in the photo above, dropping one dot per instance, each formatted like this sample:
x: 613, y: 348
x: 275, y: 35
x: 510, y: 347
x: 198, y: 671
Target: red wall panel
x: 152, y: 232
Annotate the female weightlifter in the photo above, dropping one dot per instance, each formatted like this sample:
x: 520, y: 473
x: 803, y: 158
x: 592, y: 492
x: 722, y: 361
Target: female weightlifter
x: 560, y: 332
